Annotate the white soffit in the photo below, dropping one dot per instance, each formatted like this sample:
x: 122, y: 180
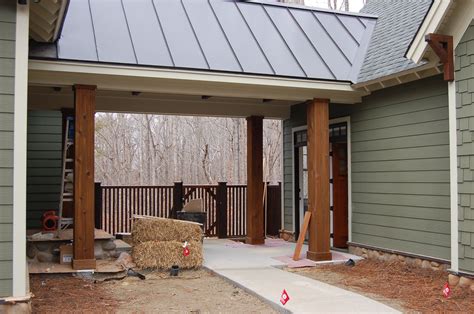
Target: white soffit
x: 46, y: 17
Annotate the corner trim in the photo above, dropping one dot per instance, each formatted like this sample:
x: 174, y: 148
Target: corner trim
x: 453, y: 173
x: 20, y: 274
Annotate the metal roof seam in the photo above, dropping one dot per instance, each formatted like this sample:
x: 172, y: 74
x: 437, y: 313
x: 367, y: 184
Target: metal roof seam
x: 254, y: 38
x: 283, y: 38
x: 163, y: 32
x: 314, y: 47
x: 331, y: 37
x: 225, y: 35
x: 93, y: 29
x: 129, y: 32
x: 195, y: 35
x: 347, y: 30
x: 360, y: 21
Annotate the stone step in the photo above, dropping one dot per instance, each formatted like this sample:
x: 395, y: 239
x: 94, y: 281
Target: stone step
x: 122, y: 246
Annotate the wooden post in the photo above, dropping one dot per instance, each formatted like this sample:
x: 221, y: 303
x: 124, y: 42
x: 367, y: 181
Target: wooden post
x: 84, y: 106
x: 98, y: 205
x: 255, y: 210
x: 221, y: 200
x: 177, y: 199
x: 318, y: 179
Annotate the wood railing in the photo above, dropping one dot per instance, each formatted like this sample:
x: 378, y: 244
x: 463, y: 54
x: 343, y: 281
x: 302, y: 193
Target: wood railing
x: 225, y: 205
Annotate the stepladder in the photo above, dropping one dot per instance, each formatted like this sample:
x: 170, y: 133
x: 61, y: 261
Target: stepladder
x: 67, y: 176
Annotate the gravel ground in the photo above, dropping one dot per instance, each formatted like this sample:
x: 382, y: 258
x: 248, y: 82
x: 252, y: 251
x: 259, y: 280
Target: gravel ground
x: 192, y: 292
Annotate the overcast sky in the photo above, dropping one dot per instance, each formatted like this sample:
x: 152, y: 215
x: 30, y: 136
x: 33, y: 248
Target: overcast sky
x: 354, y: 5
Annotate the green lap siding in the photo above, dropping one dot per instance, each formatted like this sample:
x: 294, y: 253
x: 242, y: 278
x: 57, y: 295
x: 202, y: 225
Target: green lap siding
x: 465, y: 135
x: 400, y: 169
x: 7, y: 78
x: 44, y: 164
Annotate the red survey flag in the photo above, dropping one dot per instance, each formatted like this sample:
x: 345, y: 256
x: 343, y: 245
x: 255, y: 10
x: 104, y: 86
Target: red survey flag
x: 446, y: 290
x: 284, y: 297
x: 185, y: 249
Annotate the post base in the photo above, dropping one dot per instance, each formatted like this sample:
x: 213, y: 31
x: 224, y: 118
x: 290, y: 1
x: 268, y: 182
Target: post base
x: 319, y: 256
x: 254, y: 241
x: 82, y: 264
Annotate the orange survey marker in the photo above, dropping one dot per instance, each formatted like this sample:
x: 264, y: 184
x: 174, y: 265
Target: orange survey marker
x: 303, y: 230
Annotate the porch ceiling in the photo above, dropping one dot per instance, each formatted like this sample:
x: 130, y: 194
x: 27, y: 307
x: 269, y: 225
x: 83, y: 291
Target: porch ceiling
x: 58, y: 97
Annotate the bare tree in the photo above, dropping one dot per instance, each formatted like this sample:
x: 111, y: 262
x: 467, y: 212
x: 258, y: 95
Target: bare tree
x: 133, y: 149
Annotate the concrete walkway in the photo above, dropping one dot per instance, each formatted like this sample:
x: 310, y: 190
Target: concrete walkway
x: 254, y: 269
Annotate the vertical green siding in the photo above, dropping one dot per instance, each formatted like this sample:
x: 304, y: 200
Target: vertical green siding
x: 465, y: 131
x: 7, y: 77
x: 400, y: 169
x: 44, y: 164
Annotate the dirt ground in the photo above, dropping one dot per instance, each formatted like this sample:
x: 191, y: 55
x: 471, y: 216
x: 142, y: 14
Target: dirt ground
x: 400, y: 286
x: 192, y: 292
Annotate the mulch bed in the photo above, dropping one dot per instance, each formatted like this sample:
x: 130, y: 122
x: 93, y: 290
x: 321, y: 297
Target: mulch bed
x: 413, y: 288
x: 66, y: 294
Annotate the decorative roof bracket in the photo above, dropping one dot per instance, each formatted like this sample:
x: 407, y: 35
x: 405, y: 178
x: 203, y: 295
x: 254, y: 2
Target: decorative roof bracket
x: 442, y: 45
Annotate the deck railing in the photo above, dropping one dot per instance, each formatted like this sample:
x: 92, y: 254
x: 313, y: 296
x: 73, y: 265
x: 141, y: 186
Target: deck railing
x: 225, y: 205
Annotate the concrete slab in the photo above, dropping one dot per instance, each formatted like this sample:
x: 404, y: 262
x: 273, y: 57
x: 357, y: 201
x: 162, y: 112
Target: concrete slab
x: 254, y: 269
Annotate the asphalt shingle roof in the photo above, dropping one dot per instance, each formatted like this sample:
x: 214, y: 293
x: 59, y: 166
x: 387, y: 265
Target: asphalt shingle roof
x: 397, y: 24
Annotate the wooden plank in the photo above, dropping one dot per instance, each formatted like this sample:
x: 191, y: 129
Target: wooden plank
x: 255, y: 210
x: 84, y: 105
x: 318, y: 179
x: 304, y: 229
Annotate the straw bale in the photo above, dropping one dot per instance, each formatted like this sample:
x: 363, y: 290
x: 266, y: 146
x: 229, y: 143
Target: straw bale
x: 164, y: 254
x: 146, y: 228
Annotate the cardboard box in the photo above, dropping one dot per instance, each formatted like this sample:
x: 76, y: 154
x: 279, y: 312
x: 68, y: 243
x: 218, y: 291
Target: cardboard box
x: 65, y: 254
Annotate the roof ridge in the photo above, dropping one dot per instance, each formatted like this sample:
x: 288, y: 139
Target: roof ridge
x: 306, y: 7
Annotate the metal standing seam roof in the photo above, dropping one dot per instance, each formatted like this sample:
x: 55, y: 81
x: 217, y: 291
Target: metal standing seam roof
x: 217, y: 35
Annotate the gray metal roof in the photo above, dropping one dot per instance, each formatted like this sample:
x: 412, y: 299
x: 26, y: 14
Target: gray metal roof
x: 217, y: 35
x: 397, y: 24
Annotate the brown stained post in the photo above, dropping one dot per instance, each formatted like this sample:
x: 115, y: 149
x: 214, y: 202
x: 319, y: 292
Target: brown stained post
x: 318, y: 179
x: 255, y: 210
x: 84, y: 106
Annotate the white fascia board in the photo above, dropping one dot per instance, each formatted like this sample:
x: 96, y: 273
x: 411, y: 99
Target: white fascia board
x: 119, y: 77
x: 431, y: 24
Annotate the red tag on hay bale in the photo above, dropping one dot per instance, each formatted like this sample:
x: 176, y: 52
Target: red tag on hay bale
x: 284, y: 297
x: 446, y: 290
x: 185, y: 249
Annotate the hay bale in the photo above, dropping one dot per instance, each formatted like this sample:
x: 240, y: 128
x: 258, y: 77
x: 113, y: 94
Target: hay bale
x: 146, y: 228
x: 164, y: 254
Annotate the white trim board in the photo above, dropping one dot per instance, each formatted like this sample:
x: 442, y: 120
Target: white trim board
x: 346, y: 119
x: 447, y: 17
x: 453, y: 172
x: 20, y: 276
x: 172, y: 81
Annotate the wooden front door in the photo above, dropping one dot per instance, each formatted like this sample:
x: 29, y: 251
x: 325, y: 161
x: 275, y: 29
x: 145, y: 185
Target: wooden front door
x: 340, y: 206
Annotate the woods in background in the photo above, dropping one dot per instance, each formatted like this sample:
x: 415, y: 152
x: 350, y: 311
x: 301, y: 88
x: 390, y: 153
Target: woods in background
x: 144, y: 149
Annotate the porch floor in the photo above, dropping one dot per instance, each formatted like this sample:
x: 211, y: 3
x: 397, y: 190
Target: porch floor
x: 256, y: 269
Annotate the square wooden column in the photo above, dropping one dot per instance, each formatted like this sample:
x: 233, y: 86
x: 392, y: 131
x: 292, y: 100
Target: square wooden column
x: 318, y: 180
x: 255, y: 210
x: 84, y: 107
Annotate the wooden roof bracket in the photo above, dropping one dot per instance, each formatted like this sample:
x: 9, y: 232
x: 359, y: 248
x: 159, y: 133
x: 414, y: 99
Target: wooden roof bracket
x: 442, y: 45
